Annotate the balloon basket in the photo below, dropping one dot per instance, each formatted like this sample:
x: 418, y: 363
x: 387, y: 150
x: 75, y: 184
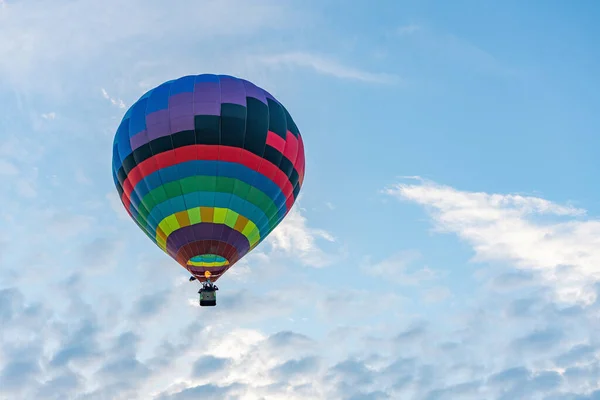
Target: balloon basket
x: 208, y: 297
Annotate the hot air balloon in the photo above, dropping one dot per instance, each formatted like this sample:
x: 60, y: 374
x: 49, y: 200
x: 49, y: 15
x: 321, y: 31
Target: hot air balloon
x: 207, y: 166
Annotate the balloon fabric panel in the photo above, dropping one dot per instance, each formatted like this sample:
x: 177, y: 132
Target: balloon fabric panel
x: 207, y: 166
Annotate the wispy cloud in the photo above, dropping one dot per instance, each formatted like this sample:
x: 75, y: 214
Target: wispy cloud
x: 295, y: 238
x: 326, y: 66
x: 115, y: 102
x: 508, y: 227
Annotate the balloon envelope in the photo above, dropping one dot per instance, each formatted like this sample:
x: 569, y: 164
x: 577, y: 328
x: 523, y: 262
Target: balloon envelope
x: 207, y: 166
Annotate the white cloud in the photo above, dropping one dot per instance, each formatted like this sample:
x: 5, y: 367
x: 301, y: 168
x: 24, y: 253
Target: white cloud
x: 511, y: 228
x: 115, y: 102
x: 293, y: 237
x: 217, y: 356
x: 324, y: 65
x: 49, y: 116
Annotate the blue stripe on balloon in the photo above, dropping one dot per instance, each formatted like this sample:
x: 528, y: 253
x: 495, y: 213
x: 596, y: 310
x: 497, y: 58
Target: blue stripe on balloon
x: 159, y: 100
x: 137, y: 120
x: 206, y: 78
x: 123, y: 143
x: 209, y: 168
x: 205, y: 199
x: 116, y: 161
x: 183, y: 85
x: 115, y: 179
x: 208, y: 258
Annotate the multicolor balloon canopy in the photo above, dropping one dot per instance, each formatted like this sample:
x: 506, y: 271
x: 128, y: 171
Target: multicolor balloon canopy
x: 207, y: 166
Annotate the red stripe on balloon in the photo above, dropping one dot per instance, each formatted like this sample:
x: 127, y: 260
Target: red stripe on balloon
x: 209, y: 153
x: 291, y: 147
x: 275, y: 141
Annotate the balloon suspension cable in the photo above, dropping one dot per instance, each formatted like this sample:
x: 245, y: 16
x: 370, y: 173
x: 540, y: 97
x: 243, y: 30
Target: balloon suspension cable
x: 208, y: 284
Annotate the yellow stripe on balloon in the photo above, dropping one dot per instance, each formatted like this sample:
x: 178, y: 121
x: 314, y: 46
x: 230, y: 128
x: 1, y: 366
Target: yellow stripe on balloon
x: 215, y: 215
x: 207, y: 264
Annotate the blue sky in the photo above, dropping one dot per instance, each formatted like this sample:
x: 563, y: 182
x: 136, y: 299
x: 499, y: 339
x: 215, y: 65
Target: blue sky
x: 445, y: 245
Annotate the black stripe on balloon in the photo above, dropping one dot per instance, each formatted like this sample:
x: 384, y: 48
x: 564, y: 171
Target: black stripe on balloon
x: 277, y: 119
x: 233, y: 121
x: 207, y: 132
x: 121, y: 175
x: 272, y: 155
x: 207, y: 128
x: 257, y: 126
x: 281, y: 121
x: 287, y: 167
x: 185, y: 138
x: 296, y: 191
x: 291, y: 125
x: 294, y: 178
x: 119, y: 189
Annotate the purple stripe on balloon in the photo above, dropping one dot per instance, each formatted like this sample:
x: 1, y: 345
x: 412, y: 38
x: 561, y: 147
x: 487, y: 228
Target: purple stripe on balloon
x: 139, y: 139
x: 181, y: 98
x: 182, y: 124
x: 239, y: 242
x: 270, y: 96
x: 157, y: 124
x: 206, y: 231
x: 254, y: 91
x: 181, y: 110
x: 207, y: 108
x: 159, y: 130
x: 232, y: 91
x: 207, y: 92
x: 207, y: 98
x: 157, y: 117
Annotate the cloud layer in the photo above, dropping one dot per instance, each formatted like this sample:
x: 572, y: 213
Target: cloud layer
x: 543, y: 349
